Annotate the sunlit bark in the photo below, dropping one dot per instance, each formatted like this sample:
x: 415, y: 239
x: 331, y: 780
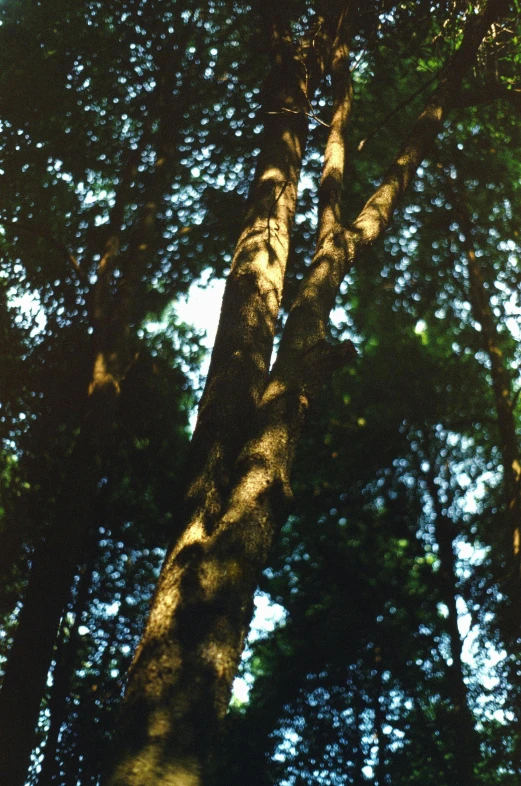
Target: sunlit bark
x: 243, y: 345
x: 185, y: 664
x: 181, y: 677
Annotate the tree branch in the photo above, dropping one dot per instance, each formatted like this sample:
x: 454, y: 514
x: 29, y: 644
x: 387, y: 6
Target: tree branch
x: 487, y: 94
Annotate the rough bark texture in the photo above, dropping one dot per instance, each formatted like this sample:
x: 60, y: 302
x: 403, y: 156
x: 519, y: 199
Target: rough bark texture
x: 185, y: 664
x: 181, y: 677
x: 241, y: 356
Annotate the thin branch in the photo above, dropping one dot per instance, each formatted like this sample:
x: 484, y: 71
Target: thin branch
x: 488, y: 93
x: 298, y: 112
x: 358, y: 60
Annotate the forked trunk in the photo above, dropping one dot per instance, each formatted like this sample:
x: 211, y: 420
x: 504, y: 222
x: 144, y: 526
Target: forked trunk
x: 181, y: 677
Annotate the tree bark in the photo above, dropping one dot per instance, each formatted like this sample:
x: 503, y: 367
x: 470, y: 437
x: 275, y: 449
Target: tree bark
x: 63, y: 549
x: 511, y: 454
x: 52, y: 573
x: 181, y: 677
x: 241, y: 356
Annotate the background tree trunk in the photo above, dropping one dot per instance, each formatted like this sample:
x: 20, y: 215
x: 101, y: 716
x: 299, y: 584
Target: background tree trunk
x: 465, y: 740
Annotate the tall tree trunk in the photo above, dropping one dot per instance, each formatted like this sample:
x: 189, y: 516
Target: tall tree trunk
x: 182, y: 673
x: 114, y: 305
x: 502, y: 389
x: 56, y: 559
x: 64, y: 666
x: 53, y: 569
x: 243, y: 345
x: 465, y: 739
x: 511, y: 454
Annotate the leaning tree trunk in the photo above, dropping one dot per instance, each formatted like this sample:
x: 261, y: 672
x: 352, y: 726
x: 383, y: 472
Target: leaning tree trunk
x: 241, y: 356
x: 181, y: 677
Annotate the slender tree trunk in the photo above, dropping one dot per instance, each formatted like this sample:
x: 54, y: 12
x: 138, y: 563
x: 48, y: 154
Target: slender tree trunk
x: 182, y: 673
x: 58, y: 556
x: 510, y: 451
x: 379, y: 719
x: 465, y: 738
x: 502, y: 389
x: 63, y: 670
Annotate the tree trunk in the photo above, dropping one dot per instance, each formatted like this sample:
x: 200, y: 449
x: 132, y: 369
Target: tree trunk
x: 63, y: 670
x: 465, y: 739
x: 243, y: 345
x: 181, y: 677
x: 379, y: 718
x: 52, y: 573
x: 57, y: 558
x: 511, y: 455
x: 502, y: 389
x: 113, y: 314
